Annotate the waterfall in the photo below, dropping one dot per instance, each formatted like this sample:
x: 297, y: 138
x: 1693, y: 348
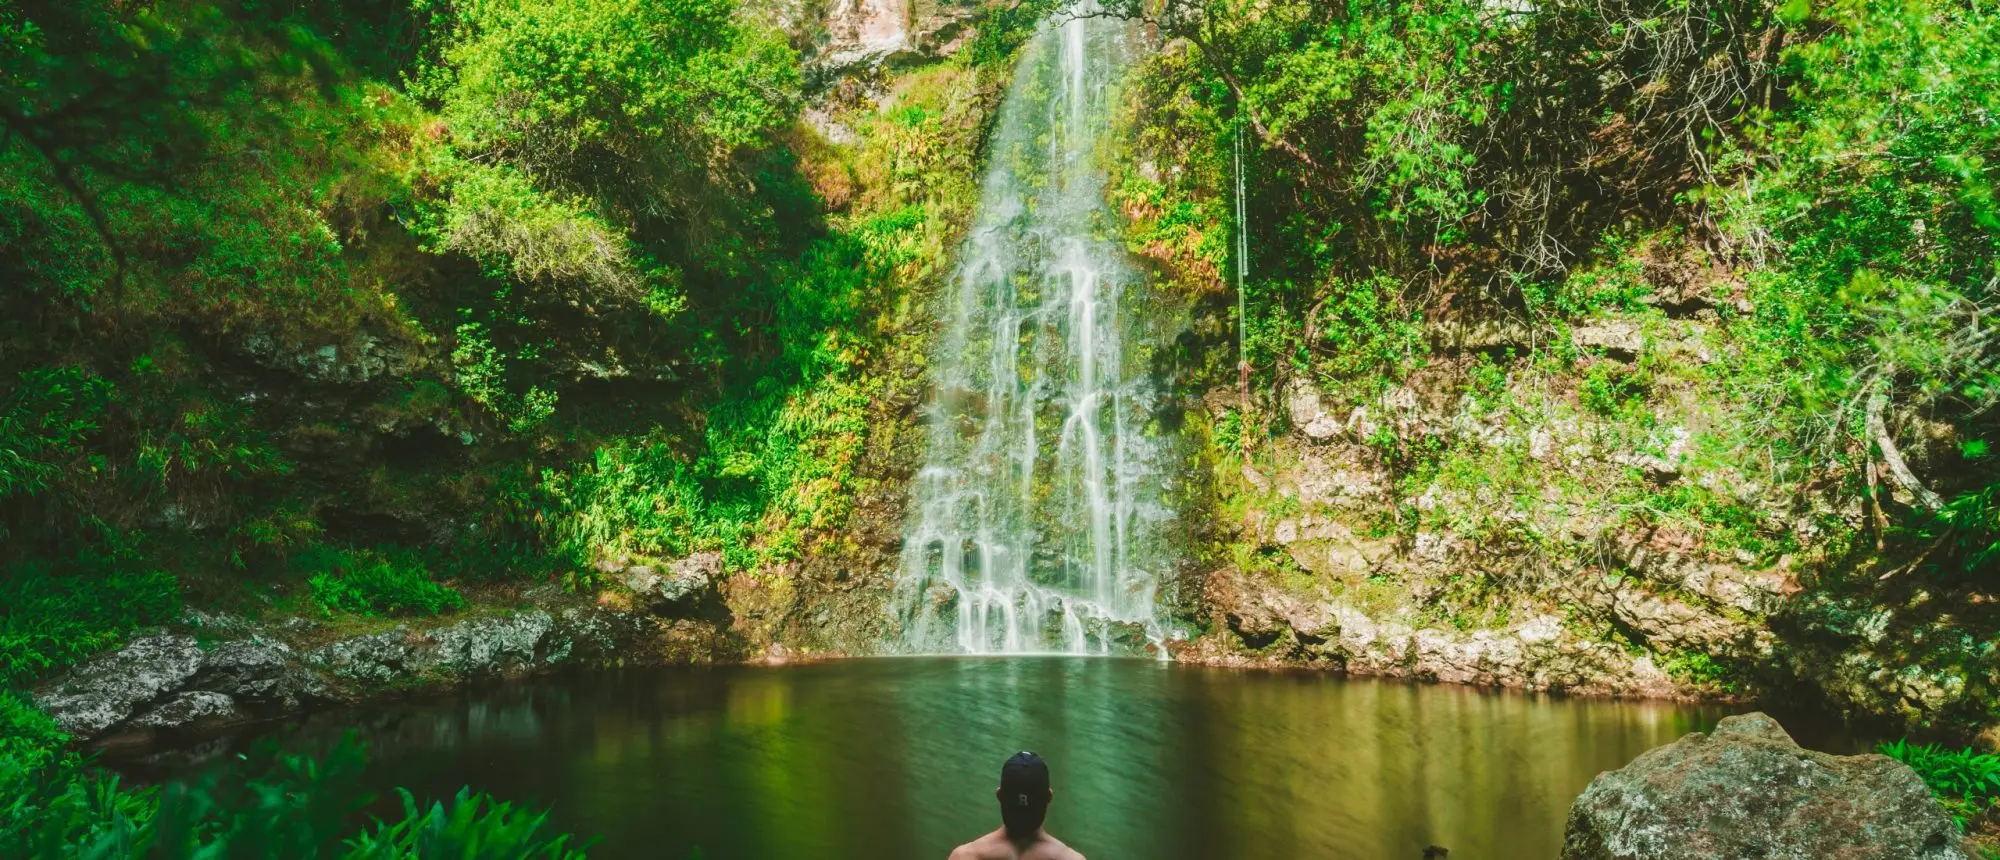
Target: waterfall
x: 1036, y: 521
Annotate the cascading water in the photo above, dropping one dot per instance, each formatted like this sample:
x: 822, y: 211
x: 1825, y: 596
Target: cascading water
x: 1035, y: 522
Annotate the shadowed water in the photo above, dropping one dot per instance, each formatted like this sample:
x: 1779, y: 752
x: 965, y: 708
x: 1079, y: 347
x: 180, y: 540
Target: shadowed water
x: 898, y: 758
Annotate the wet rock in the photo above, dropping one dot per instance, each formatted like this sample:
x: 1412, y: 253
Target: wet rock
x: 476, y: 648
x: 215, y: 623
x: 589, y: 636
x: 1536, y: 653
x: 865, y: 32
x: 686, y: 585
x: 488, y: 647
x: 168, y: 682
x: 378, y: 658
x: 262, y: 673
x: 189, y: 710
x: 1455, y: 335
x: 1324, y: 546
x: 1121, y: 637
x: 110, y: 688
x: 1664, y: 620
x: 1746, y: 790
x: 1337, y: 481
x: 862, y: 35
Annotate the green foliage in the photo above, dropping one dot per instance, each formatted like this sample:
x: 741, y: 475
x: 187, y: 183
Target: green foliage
x: 271, y: 804
x: 43, y: 424
x: 579, y: 129
x: 223, y: 216
x: 1227, y: 433
x: 56, y: 615
x: 1360, y: 332
x: 480, y: 374
x: 384, y: 581
x: 1804, y: 229
x: 1610, y: 388
x: 1969, y: 524
x: 57, y: 806
x: 474, y: 825
x: 1699, y: 668
x: 774, y: 461
x: 1007, y: 27
x: 27, y: 736
x: 1965, y: 781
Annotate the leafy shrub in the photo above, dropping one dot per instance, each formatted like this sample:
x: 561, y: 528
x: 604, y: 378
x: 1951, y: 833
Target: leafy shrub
x: 374, y: 582
x: 1362, y: 331
x: 26, y: 734
x: 54, y: 619
x: 1697, y: 667
x: 56, y: 805
x: 1227, y: 433
x: 271, y: 804
x: 43, y: 423
x: 474, y: 825
x: 1965, y: 782
x: 1610, y: 388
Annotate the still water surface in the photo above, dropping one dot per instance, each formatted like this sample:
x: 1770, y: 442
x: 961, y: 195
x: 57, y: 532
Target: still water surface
x: 897, y: 758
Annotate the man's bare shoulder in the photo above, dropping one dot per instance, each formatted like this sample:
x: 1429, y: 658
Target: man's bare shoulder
x: 1051, y: 848
x: 994, y: 846
x: 989, y: 847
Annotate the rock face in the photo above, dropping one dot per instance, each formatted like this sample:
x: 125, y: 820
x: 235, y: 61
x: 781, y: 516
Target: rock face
x: 170, y: 682
x: 1535, y: 653
x: 866, y: 31
x: 863, y: 34
x: 478, y: 648
x: 1565, y: 597
x: 687, y: 586
x: 1746, y: 790
x: 111, y: 688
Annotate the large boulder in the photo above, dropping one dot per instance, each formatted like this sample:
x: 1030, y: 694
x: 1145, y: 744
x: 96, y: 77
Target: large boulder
x: 1747, y: 790
x: 260, y: 672
x: 490, y: 647
x: 168, y: 681
x: 109, y: 688
x: 687, y: 587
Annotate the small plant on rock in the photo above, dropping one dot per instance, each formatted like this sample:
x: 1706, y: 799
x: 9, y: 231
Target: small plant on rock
x: 364, y: 582
x: 1966, y: 782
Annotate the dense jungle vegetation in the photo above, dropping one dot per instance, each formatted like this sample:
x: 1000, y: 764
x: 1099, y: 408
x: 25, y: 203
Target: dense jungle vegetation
x: 362, y: 309
x: 384, y: 307
x: 1787, y: 213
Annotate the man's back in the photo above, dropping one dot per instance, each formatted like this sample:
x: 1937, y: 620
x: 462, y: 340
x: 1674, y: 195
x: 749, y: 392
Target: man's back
x: 996, y: 846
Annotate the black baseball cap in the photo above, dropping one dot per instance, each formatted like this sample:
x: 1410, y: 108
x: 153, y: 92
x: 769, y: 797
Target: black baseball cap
x: 1024, y: 781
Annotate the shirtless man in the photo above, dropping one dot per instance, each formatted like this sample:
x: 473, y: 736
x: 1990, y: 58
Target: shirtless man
x: 1024, y: 801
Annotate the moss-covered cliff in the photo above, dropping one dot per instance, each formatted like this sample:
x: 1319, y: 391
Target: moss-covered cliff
x: 1632, y: 347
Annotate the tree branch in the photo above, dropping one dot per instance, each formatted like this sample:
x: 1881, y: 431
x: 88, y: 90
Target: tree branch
x: 1899, y: 471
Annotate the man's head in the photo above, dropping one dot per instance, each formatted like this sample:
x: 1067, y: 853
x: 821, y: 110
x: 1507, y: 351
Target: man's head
x: 1024, y: 794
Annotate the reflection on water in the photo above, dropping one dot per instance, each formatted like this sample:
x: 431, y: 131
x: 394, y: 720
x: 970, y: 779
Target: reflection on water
x: 898, y: 758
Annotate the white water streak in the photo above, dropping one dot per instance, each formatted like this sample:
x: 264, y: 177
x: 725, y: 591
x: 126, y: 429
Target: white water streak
x: 1034, y: 524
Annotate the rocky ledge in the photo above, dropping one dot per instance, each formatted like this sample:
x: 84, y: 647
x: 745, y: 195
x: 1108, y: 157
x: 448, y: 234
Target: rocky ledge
x: 1259, y: 623
x: 1747, y: 790
x: 214, y: 671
